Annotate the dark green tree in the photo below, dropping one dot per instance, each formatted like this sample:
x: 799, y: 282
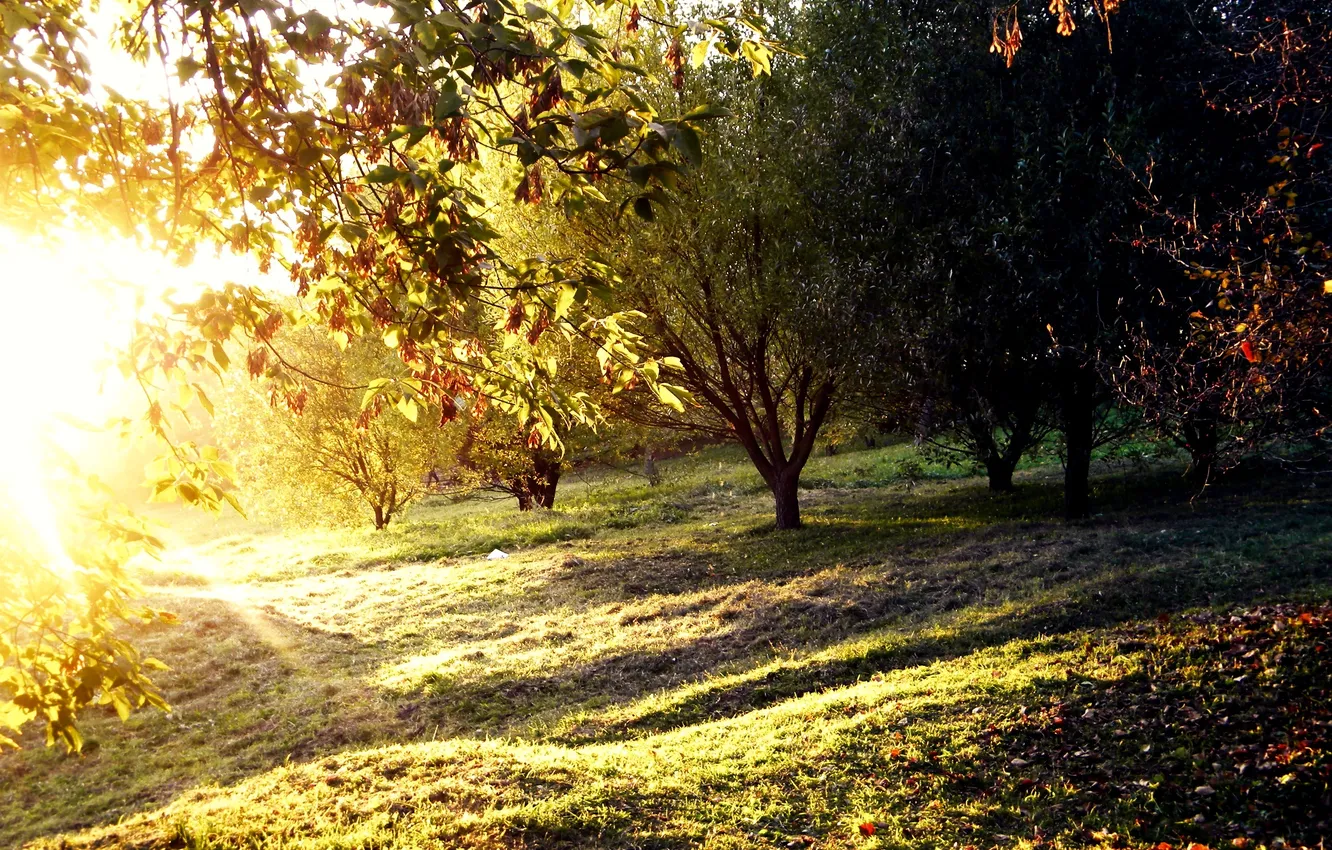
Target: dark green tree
x: 1000, y: 204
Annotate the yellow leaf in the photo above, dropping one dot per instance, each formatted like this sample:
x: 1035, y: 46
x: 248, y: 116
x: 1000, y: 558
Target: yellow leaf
x: 12, y: 717
x: 564, y: 299
x: 669, y: 398
x: 408, y: 407
x: 700, y: 53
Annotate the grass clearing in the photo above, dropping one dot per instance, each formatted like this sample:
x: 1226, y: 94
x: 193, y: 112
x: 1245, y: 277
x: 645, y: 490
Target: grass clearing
x: 924, y: 665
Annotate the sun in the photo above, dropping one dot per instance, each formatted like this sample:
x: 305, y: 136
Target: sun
x: 72, y: 300
x: 61, y: 326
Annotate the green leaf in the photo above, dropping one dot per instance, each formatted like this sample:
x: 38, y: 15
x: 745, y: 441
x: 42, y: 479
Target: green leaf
x: 186, y: 68
x: 382, y: 174
x: 622, y: 379
x: 317, y: 24
x: 700, y: 113
x: 686, y: 140
x: 759, y: 57
x: 640, y: 174
x: 427, y: 34
x: 353, y: 232
x: 122, y: 705
x: 448, y: 104
x: 643, y: 208
x: 409, y: 408
x: 12, y: 717
x: 10, y: 116
x: 564, y: 299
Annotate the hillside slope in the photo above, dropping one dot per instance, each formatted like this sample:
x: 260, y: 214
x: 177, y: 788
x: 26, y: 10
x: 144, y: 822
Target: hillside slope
x: 922, y: 666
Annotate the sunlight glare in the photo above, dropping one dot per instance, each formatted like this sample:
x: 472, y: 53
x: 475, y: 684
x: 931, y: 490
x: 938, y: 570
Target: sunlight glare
x: 72, y: 302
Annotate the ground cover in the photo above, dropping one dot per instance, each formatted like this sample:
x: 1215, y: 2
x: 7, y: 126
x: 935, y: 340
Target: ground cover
x: 924, y: 665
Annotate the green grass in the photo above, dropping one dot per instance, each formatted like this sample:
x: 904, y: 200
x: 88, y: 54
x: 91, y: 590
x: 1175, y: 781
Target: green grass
x: 658, y: 667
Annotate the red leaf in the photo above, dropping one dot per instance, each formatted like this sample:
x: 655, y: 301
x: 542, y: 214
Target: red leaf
x: 867, y: 829
x: 1246, y: 348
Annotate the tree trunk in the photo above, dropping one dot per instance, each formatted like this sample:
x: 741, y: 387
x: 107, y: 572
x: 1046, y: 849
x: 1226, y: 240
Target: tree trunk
x: 999, y: 465
x: 786, y: 492
x: 1078, y: 415
x: 650, y: 471
x: 541, y: 484
x: 782, y: 472
x: 522, y: 491
x: 1202, y: 441
x: 381, y: 518
x: 543, y: 489
x: 1077, y: 485
x: 1000, y: 471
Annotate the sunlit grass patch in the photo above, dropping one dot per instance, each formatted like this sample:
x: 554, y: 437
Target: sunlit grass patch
x: 1058, y: 742
x: 659, y: 667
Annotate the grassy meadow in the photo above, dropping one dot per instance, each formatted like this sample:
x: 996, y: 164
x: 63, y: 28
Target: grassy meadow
x: 924, y: 665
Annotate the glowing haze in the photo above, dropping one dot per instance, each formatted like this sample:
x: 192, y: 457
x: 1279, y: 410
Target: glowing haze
x: 72, y: 301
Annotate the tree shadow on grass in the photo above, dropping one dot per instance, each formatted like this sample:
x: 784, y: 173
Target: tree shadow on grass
x: 1187, y: 749
x: 252, y: 691
x: 911, y: 603
x: 853, y: 526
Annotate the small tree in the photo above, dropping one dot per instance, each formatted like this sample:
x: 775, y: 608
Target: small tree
x: 966, y: 382
x: 497, y: 455
x: 309, y: 451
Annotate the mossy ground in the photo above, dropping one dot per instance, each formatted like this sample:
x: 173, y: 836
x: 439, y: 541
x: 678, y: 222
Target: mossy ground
x: 924, y: 665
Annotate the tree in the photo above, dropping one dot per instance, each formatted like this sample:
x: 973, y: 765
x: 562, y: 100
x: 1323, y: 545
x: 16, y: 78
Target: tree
x: 311, y: 452
x: 1000, y: 212
x: 1246, y: 359
x: 359, y: 188
x: 495, y: 454
x: 978, y: 404
x: 732, y: 292
x: 500, y: 457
